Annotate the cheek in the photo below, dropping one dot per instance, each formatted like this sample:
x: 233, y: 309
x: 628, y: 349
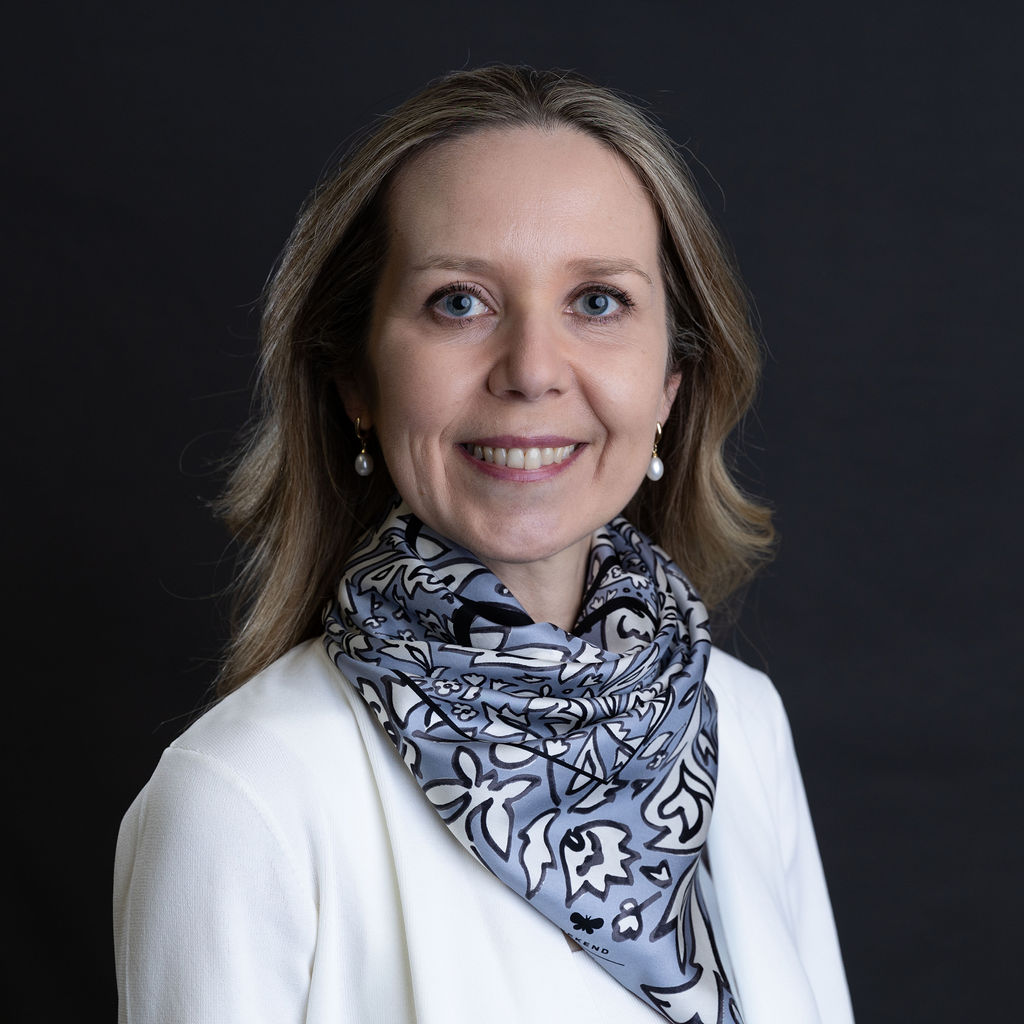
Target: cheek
x: 635, y: 400
x: 394, y: 372
x: 417, y: 393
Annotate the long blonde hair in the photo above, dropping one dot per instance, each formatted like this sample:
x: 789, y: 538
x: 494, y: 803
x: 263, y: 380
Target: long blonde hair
x: 294, y: 501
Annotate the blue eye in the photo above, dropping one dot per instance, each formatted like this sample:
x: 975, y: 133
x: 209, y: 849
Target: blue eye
x: 460, y: 305
x: 596, y: 304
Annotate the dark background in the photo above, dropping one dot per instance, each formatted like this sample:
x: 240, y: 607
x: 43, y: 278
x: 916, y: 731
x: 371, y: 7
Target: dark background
x: 864, y: 160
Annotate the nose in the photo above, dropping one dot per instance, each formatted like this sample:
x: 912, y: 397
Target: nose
x: 530, y: 360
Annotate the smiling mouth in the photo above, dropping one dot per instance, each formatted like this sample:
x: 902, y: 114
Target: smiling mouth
x: 520, y: 458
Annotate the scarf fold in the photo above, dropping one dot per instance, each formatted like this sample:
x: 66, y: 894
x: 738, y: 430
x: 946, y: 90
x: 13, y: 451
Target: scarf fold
x: 578, y: 767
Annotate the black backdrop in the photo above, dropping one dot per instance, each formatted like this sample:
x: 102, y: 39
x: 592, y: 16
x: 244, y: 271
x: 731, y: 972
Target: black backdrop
x: 864, y: 161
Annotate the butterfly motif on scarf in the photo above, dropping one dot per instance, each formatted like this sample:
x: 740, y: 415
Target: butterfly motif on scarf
x: 586, y: 924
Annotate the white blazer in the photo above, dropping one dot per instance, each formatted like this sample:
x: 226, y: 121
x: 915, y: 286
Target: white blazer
x: 282, y: 865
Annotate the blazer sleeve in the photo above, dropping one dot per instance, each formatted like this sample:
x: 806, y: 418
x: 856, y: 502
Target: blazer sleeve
x: 810, y: 909
x: 212, y: 919
x: 770, y: 887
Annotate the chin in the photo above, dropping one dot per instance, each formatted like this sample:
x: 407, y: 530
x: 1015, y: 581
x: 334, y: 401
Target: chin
x: 536, y: 539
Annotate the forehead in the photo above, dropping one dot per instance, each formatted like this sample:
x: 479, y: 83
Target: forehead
x: 529, y: 192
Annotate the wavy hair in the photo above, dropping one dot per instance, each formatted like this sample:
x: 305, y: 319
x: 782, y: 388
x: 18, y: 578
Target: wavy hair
x: 293, y: 500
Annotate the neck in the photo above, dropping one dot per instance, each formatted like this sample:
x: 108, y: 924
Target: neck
x: 550, y: 590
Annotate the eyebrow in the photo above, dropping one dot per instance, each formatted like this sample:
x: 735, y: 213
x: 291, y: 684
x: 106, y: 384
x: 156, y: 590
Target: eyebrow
x: 590, y: 266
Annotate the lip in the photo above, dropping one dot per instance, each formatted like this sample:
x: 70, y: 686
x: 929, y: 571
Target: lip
x: 510, y: 441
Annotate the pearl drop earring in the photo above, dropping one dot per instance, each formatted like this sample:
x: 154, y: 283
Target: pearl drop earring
x: 364, y: 461
x: 656, y: 468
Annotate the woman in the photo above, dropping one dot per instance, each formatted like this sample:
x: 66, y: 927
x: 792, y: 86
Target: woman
x: 479, y: 787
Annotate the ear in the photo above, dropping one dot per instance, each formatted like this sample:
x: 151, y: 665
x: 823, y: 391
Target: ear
x: 353, y: 397
x: 671, y: 387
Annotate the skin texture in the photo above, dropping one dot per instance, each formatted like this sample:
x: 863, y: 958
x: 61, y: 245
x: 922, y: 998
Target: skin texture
x: 530, y: 227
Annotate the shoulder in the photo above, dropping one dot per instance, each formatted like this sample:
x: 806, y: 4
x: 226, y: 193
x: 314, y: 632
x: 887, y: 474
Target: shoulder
x: 753, y: 728
x: 294, y: 702
x: 745, y: 692
x: 294, y: 720
x: 219, y: 874
x: 276, y: 753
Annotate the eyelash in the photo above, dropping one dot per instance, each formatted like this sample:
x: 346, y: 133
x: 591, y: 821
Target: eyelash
x: 455, y: 288
x: 465, y: 288
x: 621, y: 297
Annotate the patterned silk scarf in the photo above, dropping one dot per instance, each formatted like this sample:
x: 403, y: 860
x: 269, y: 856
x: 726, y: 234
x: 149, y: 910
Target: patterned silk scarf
x: 579, y: 768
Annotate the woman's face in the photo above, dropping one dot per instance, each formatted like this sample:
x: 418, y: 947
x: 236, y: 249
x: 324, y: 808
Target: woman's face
x: 518, y: 347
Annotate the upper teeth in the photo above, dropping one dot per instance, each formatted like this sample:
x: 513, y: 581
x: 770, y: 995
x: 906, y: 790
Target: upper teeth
x: 522, y: 458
